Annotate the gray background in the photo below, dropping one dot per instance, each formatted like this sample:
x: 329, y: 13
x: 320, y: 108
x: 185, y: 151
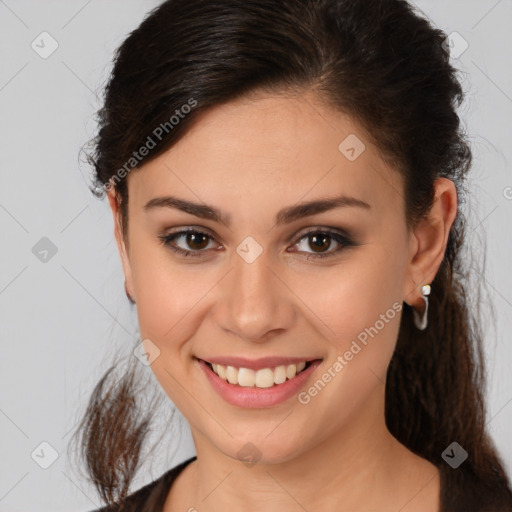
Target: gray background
x: 62, y: 320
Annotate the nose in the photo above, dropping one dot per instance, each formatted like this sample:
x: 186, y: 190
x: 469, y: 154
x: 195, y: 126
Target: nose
x: 255, y: 301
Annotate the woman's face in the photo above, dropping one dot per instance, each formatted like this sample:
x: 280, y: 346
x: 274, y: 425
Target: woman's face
x: 256, y: 288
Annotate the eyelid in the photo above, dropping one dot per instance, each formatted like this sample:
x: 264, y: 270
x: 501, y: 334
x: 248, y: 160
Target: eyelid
x: 322, y: 229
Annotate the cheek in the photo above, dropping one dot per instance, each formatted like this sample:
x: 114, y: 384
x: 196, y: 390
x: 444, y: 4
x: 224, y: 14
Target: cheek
x: 168, y: 309
x: 166, y: 291
x: 357, y: 306
x: 166, y: 298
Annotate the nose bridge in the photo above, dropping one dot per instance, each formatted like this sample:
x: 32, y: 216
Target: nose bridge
x: 255, y: 301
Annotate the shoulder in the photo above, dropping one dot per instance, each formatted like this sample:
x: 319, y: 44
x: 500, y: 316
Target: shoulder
x: 150, y: 497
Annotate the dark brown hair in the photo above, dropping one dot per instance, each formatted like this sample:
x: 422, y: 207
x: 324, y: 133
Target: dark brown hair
x: 377, y: 60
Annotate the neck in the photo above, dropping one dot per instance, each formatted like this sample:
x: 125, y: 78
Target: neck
x: 361, y: 467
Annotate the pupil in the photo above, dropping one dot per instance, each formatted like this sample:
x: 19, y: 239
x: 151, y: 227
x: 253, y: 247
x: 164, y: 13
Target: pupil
x: 192, y: 238
x: 318, y: 241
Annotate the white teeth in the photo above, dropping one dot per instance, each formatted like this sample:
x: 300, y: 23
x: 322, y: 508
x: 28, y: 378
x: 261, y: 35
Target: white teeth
x: 291, y: 370
x: 263, y: 378
x: 246, y: 377
x: 220, y: 371
x: 232, y: 374
x: 280, y: 374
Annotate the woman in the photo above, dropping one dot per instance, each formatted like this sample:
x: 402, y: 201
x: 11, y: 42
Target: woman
x: 285, y: 180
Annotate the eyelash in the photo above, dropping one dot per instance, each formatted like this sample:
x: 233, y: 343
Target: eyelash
x: 343, y: 240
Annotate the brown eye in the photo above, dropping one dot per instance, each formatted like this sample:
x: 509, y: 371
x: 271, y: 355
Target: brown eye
x: 196, y: 240
x: 321, y: 241
x: 194, y: 243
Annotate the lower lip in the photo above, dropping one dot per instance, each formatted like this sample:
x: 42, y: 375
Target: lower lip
x: 253, y: 397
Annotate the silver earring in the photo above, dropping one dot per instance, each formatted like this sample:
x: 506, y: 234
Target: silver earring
x: 421, y: 321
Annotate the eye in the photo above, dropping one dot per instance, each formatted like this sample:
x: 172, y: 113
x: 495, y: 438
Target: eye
x: 321, y: 240
x: 196, y: 242
x: 193, y: 239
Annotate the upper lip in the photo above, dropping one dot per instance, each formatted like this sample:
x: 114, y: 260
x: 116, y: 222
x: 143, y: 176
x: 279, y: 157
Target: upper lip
x: 256, y: 364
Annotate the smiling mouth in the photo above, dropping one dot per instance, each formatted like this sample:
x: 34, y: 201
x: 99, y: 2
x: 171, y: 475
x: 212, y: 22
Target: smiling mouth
x: 261, y: 378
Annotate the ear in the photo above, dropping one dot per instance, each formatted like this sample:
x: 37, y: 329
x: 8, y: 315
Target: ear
x: 118, y: 233
x: 428, y: 241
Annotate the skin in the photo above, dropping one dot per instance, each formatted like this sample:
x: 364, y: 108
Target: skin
x: 250, y: 158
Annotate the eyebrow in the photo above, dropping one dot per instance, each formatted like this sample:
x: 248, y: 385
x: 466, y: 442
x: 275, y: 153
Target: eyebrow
x: 284, y: 216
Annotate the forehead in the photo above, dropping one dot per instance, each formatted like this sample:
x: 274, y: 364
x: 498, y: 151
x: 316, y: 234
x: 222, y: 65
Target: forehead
x: 267, y: 150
